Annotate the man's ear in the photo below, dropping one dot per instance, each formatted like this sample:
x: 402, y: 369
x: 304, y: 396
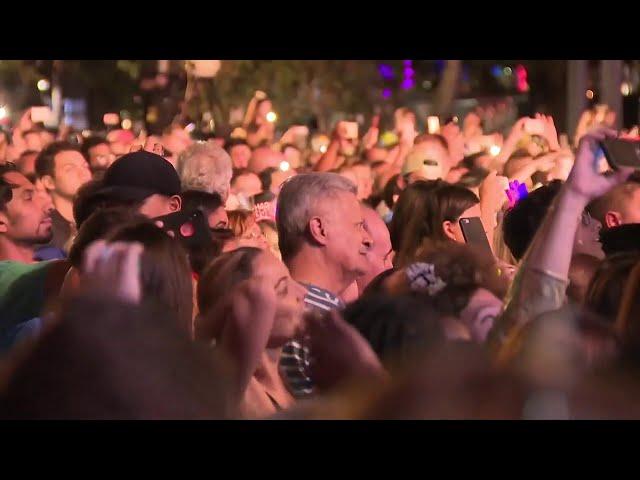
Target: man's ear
x: 612, y: 219
x: 175, y: 203
x: 47, y: 182
x: 4, y: 223
x: 318, y: 230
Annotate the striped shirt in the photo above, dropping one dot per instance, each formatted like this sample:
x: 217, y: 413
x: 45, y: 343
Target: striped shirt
x: 294, y: 362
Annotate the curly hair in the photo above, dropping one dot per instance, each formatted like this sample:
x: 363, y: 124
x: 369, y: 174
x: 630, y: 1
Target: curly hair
x: 463, y: 270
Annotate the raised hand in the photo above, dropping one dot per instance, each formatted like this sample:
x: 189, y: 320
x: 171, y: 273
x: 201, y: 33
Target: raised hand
x: 585, y: 179
x: 114, y: 269
x: 152, y: 144
x: 550, y: 132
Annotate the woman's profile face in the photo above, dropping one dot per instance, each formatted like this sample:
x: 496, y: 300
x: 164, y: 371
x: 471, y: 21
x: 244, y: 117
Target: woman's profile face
x: 289, y: 297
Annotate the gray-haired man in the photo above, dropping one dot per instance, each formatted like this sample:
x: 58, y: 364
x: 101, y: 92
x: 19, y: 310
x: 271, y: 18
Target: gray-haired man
x: 324, y: 244
x: 207, y: 167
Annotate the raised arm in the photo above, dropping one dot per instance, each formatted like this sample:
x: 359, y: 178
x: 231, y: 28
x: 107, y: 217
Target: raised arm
x: 541, y: 282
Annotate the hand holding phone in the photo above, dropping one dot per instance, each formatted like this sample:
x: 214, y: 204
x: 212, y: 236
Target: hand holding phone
x: 433, y: 124
x: 40, y: 114
x: 348, y: 130
x: 534, y: 126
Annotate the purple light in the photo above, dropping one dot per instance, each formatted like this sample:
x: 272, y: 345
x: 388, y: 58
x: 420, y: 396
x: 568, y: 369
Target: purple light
x: 407, y: 84
x: 386, y: 71
x: 409, y: 72
x: 408, y: 63
x: 386, y: 93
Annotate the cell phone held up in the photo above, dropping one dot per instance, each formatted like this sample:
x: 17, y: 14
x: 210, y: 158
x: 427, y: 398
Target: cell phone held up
x: 190, y: 228
x: 474, y: 234
x: 621, y: 152
x: 534, y: 126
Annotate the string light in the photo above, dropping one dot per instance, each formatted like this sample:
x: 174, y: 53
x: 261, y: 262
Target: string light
x: 408, y: 81
x: 625, y: 89
x: 43, y: 85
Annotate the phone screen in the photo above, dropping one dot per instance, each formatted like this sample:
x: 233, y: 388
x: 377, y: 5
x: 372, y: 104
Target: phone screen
x: 40, y: 114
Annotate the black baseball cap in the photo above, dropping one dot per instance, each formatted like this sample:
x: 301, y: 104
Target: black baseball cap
x: 138, y: 175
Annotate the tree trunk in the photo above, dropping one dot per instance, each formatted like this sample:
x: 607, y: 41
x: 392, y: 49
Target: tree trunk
x: 447, y: 88
x: 610, y: 81
x: 577, y: 73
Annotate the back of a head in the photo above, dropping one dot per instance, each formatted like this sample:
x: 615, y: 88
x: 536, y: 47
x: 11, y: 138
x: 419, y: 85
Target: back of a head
x: 266, y: 178
x: 97, y: 227
x: 452, y: 381
x: 88, y: 200
x: 299, y: 199
x: 240, y: 221
x: 398, y: 328
x: 432, y: 138
x: 605, y: 290
x: 263, y: 158
x: 155, y: 371
x: 412, y: 201
x: 201, y: 200
x: 613, y: 200
x: 205, y: 166
x: 521, y: 223
x: 463, y: 269
x: 165, y: 273
x: 444, y: 202
x: 557, y: 347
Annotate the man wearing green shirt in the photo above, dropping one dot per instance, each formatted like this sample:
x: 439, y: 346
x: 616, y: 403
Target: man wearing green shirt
x: 25, y: 223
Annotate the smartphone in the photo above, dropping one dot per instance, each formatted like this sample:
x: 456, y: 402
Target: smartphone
x: 189, y: 227
x: 433, y: 124
x: 473, y: 232
x: 350, y: 130
x: 300, y: 130
x: 111, y: 119
x: 534, y: 126
x: 40, y: 114
x: 621, y: 152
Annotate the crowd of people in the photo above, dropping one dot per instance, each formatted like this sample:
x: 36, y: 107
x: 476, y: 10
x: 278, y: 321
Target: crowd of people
x: 297, y: 274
